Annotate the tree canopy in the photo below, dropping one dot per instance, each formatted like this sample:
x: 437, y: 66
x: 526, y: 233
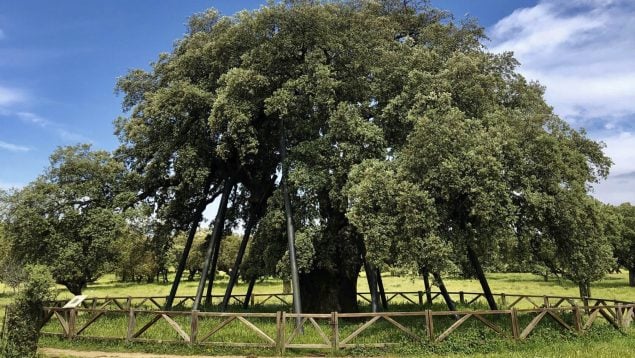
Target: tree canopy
x: 66, y: 219
x: 407, y: 141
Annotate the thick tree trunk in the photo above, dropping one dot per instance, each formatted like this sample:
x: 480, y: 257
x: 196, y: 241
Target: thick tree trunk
x: 426, y: 284
x: 481, y: 278
x: 219, y: 224
x: 326, y: 291
x: 75, y: 287
x: 382, y: 292
x: 444, y: 291
x: 631, y: 276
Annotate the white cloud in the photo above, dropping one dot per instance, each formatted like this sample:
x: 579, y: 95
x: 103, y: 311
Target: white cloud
x: 620, y: 185
x: 10, y: 96
x: 582, y: 51
x: 32, y: 118
x: 13, y: 147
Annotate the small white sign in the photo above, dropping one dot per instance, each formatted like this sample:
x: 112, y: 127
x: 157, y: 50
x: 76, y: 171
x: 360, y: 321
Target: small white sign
x: 75, y: 301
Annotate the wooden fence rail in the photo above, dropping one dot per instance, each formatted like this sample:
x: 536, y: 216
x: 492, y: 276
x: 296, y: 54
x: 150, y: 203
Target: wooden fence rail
x: 333, y: 331
x: 505, y: 300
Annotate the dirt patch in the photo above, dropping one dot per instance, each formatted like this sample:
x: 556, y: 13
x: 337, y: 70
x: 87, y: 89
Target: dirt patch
x: 66, y: 353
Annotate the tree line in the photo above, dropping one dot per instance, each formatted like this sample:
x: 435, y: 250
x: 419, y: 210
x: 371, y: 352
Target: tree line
x: 361, y: 134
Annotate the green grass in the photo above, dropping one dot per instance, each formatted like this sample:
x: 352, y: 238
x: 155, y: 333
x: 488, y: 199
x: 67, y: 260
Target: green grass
x: 472, y: 339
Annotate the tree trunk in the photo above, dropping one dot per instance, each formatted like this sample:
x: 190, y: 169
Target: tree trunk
x: 584, y: 290
x: 481, y: 278
x: 250, y: 290
x: 372, y: 286
x: 219, y: 224
x: 382, y: 292
x: 233, y: 276
x: 325, y: 291
x: 212, y: 272
x: 186, y: 252
x: 631, y: 277
x: 444, y: 291
x: 426, y: 284
x: 75, y: 287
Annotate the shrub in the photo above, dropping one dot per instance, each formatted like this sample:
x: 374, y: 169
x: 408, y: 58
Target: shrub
x: 26, y: 314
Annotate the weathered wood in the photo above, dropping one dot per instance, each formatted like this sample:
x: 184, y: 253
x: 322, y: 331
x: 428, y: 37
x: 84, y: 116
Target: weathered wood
x: 220, y: 326
x: 194, y: 327
x: 360, y: 330
x: 90, y: 321
x: 176, y: 327
x: 559, y: 319
x: 429, y: 325
x: 62, y: 321
x: 132, y: 322
x: 530, y: 327
x: 256, y: 329
x: 72, y: 316
x: 489, y: 324
x: 146, y: 326
x: 453, y: 327
x: 320, y: 332
x: 514, y: 322
x: 577, y: 319
x: 335, y: 331
x: 402, y: 328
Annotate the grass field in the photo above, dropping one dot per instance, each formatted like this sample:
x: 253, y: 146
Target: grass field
x: 473, y: 340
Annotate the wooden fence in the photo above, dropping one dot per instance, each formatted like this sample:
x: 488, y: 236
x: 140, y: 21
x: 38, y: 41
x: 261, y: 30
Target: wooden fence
x: 418, y: 298
x: 334, y: 331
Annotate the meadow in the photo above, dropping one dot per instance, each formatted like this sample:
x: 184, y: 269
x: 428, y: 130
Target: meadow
x: 472, y: 338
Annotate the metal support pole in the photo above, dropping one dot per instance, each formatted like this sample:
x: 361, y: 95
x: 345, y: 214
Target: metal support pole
x: 295, y: 277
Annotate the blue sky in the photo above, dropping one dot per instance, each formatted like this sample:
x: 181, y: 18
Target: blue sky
x: 59, y: 61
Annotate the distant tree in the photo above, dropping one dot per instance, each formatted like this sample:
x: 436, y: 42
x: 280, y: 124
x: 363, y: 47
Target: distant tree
x: 66, y: 218
x: 624, y: 245
x: 575, y: 240
x: 11, y: 270
x: 228, y: 251
x: 194, y: 262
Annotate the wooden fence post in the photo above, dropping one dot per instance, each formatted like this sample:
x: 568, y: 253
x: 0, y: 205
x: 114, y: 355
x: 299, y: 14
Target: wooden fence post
x: 515, y: 327
x: 462, y: 297
x: 132, y: 322
x: 128, y: 302
x: 619, y: 316
x: 420, y: 293
x: 546, y: 301
x: 503, y: 301
x: 282, y: 333
x: 72, y: 314
x: 279, y: 331
x: 194, y: 327
x: 577, y: 319
x: 429, y: 325
x: 335, y: 332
